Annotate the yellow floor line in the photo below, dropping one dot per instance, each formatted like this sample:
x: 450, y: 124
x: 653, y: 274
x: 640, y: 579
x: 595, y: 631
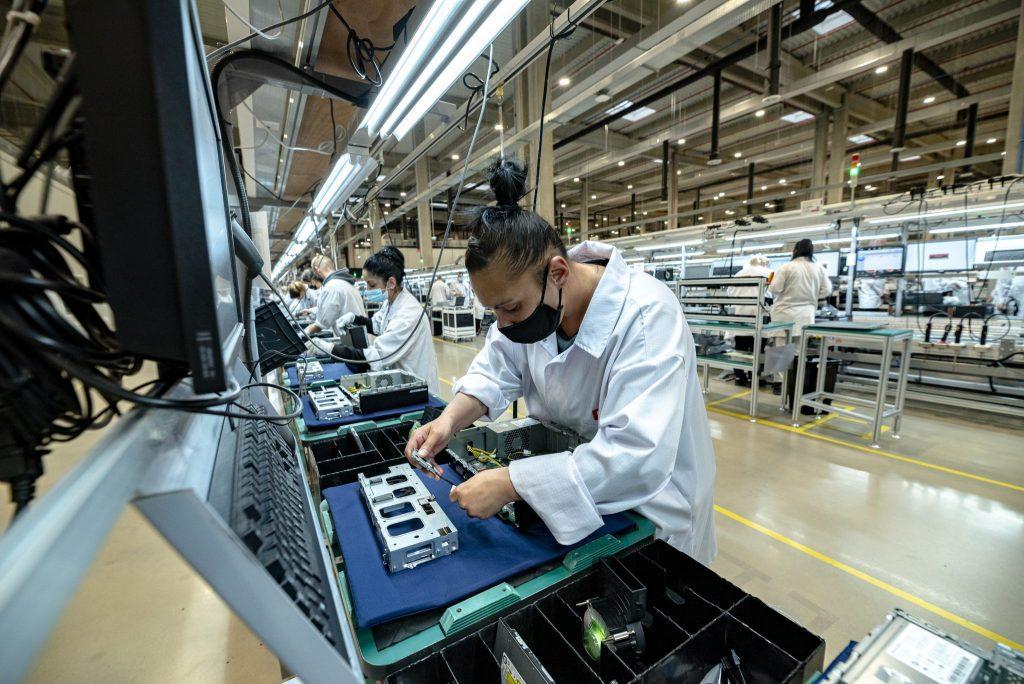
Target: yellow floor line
x: 868, y: 435
x: 869, y: 450
x: 456, y: 344
x: 729, y: 398
x: 874, y: 581
x: 816, y: 422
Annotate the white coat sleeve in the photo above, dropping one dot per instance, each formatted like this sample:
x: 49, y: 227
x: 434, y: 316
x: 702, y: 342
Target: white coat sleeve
x: 778, y: 284
x: 377, y: 322
x: 328, y: 308
x: 495, y: 378
x: 389, y: 343
x: 633, y: 454
x: 825, y: 284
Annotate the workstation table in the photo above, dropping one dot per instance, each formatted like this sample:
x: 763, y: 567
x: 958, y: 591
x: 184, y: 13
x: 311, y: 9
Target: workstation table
x: 727, y: 362
x: 888, y: 340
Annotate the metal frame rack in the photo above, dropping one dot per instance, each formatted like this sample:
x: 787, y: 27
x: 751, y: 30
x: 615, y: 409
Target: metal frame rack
x: 712, y: 316
x: 886, y: 338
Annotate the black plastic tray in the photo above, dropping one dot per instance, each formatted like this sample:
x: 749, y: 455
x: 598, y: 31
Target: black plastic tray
x: 693, y: 619
x: 338, y: 461
x: 277, y: 343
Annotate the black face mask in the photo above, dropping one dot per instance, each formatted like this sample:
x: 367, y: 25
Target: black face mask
x: 539, y: 324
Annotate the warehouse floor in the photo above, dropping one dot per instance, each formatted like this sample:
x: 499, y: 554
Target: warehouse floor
x: 811, y: 520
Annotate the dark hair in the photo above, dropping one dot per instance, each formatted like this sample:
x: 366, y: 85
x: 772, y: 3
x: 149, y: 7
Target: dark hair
x: 308, y: 275
x: 804, y: 248
x: 506, y: 232
x: 389, y: 262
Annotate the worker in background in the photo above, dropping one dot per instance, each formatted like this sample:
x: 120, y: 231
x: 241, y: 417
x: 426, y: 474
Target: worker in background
x: 756, y: 267
x: 870, y: 293
x: 338, y: 296
x: 595, y: 347
x: 1008, y: 294
x: 298, y: 294
x: 438, y: 293
x: 314, y: 283
x: 402, y: 329
x: 454, y: 290
x: 797, y: 286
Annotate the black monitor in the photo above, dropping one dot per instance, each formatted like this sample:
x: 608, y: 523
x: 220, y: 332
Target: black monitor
x: 152, y: 183
x: 726, y: 271
x: 880, y: 261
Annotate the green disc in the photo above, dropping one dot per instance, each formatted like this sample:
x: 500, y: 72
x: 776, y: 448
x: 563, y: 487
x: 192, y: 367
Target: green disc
x: 595, y: 631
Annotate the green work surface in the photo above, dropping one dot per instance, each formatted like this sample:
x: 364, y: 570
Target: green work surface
x: 746, y: 327
x: 877, y: 332
x: 722, y: 360
x: 305, y: 435
x: 487, y: 603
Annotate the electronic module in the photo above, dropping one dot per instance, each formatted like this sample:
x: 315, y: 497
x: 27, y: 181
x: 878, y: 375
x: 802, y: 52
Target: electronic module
x: 495, y: 445
x: 382, y: 390
x: 310, y: 370
x: 409, y: 523
x: 330, y: 403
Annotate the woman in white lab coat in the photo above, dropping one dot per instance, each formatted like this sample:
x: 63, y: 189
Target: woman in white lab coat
x: 797, y: 286
x: 597, y: 348
x: 402, y: 330
x: 756, y: 267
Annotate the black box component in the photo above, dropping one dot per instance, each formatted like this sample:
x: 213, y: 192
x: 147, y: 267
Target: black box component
x: 695, y: 624
x: 268, y: 511
x: 382, y: 390
x: 811, y: 380
x: 277, y: 343
x: 339, y: 461
x: 516, y: 660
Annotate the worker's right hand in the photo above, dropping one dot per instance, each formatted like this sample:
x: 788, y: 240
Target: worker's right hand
x: 346, y: 318
x: 429, y: 440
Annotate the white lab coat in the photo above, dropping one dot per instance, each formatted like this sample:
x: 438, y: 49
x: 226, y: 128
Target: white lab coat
x: 438, y: 293
x: 869, y: 293
x: 1009, y: 287
x: 391, y: 325
x: 796, y: 289
x: 337, y: 296
x: 747, y: 271
x: 628, y: 384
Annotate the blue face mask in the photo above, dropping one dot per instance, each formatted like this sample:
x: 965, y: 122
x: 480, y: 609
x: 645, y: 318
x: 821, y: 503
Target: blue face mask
x: 375, y: 296
x: 539, y: 324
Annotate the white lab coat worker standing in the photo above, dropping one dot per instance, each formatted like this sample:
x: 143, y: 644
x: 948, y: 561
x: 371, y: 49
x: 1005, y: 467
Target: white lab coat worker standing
x: 797, y: 286
x: 338, y: 296
x: 438, y: 293
x: 870, y: 292
x: 628, y: 384
x: 392, y: 325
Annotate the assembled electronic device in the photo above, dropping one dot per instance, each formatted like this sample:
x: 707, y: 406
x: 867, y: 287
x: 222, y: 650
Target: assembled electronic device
x: 495, y: 445
x: 330, y: 403
x: 615, y: 618
x: 906, y: 650
x: 409, y: 523
x: 310, y: 371
x: 382, y: 390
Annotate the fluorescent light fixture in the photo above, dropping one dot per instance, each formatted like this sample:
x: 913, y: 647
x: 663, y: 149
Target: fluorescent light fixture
x: 639, y: 113
x: 961, y: 143
x: 681, y: 141
x: 991, y: 141
x: 669, y: 245
x: 565, y: 81
x: 798, y: 116
x: 913, y: 157
x: 622, y: 163
x: 832, y: 23
x: 786, y: 231
x: 929, y: 99
x: 625, y: 104
x: 759, y: 113
x: 967, y: 229
x: 470, y: 48
x: 347, y: 174
x: 304, y: 232
x: 737, y: 155
x: 881, y: 69
x: 896, y: 218
x: 748, y: 249
x: 663, y: 257
x: 860, y: 139
x: 410, y: 63
x: 862, y: 238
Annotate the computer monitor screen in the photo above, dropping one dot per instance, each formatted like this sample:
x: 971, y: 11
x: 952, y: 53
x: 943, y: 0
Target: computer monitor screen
x: 880, y: 261
x: 946, y: 255
x: 1001, y: 250
x: 830, y: 260
x: 699, y: 271
x: 152, y: 182
x: 726, y: 270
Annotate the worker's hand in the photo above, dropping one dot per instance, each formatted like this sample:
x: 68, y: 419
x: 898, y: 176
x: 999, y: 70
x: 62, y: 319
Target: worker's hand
x: 429, y: 440
x: 483, y: 495
x: 346, y: 318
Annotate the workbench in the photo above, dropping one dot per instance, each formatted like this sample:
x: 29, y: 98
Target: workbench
x: 735, y: 361
x: 889, y: 340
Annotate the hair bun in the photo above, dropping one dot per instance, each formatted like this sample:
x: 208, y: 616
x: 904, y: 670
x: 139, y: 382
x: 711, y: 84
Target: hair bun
x: 394, y: 254
x: 507, y: 178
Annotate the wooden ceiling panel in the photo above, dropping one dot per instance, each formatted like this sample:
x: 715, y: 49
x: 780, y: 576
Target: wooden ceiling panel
x: 309, y: 167
x: 373, y: 20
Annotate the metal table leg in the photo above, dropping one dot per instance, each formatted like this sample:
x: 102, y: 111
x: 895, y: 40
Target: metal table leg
x: 819, y: 385
x: 901, y: 387
x: 798, y: 387
x: 785, y: 374
x: 755, y: 377
x: 883, y: 386
x: 707, y: 377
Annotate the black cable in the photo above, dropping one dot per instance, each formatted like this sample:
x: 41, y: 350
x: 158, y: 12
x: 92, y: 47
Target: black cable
x: 362, y: 52
x: 225, y: 48
x: 257, y: 182
x: 567, y: 31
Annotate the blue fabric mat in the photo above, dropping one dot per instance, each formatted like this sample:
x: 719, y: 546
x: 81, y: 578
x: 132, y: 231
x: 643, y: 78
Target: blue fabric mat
x: 332, y: 371
x: 489, y: 551
x: 314, y: 423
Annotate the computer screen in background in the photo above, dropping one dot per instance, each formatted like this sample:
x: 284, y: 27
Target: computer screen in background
x: 880, y: 261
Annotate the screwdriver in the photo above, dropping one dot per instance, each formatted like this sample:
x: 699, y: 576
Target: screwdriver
x: 430, y: 467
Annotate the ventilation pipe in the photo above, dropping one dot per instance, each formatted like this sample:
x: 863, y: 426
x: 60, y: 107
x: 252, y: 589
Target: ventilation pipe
x: 774, y: 54
x: 716, y: 119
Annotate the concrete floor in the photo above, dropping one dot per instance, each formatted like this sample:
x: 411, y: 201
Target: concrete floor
x: 813, y: 521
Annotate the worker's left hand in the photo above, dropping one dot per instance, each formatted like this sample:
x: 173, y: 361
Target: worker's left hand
x: 483, y: 495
